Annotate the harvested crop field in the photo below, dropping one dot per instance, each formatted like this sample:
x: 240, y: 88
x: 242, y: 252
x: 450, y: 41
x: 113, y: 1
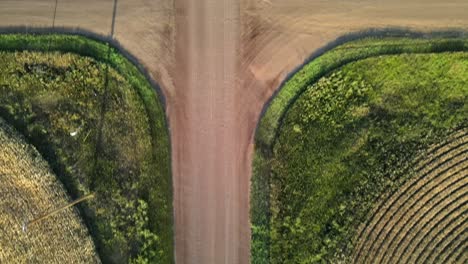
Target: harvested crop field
x: 28, y: 188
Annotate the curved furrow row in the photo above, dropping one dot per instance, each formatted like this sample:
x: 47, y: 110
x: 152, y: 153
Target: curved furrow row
x: 444, y: 229
x: 390, y: 202
x: 458, y: 139
x: 436, y: 159
x: 418, y: 211
x: 459, y: 254
x: 451, y: 246
x: 446, y: 232
x: 426, y: 221
x: 388, y: 210
x: 418, y: 200
x: 415, y: 247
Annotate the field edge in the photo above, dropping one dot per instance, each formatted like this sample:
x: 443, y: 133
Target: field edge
x: 291, y: 89
x: 125, y: 64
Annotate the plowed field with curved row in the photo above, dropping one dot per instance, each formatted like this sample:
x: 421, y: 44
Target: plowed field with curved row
x: 425, y: 220
x: 28, y: 189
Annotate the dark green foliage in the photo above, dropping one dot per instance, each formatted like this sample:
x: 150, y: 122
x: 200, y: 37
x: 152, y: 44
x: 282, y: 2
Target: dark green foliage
x: 104, y: 136
x: 348, y: 138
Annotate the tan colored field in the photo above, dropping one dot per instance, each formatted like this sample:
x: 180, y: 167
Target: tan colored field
x: 218, y: 63
x: 29, y: 189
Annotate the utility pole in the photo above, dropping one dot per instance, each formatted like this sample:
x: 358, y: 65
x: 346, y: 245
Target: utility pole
x: 114, y: 14
x: 55, y: 14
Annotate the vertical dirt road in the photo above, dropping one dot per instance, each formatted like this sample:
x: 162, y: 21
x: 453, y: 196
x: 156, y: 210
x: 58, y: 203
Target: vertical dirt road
x: 210, y: 214
x: 218, y: 62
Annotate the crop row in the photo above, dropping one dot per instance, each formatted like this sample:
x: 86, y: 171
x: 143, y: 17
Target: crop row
x: 438, y: 183
x: 393, y: 221
x: 437, y: 158
x: 459, y: 253
x: 447, y: 235
x: 429, y: 222
x: 452, y: 212
x: 421, y: 162
x: 412, y: 219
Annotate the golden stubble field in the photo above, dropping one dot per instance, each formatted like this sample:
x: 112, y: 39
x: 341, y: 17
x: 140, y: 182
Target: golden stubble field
x: 218, y: 63
x: 28, y: 189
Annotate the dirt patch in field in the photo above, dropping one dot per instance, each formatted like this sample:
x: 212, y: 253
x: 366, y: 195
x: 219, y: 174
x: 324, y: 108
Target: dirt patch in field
x: 218, y: 63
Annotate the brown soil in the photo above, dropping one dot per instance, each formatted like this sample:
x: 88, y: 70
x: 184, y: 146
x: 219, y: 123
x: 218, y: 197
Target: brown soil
x: 218, y: 62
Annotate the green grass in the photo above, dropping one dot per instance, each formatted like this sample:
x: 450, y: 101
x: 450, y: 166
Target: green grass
x: 53, y: 86
x: 336, y: 58
x: 342, y: 131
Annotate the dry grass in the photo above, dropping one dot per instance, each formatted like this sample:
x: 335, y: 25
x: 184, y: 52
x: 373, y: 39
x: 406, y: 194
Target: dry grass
x: 28, y: 189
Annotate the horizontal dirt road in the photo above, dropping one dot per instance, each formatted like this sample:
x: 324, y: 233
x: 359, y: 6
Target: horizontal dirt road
x: 218, y: 62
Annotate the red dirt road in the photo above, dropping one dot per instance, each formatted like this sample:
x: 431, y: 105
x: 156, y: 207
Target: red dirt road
x: 218, y: 62
x: 208, y: 188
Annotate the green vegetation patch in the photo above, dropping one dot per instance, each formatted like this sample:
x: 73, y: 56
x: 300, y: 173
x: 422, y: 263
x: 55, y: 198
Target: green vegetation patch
x: 101, y: 126
x: 345, y: 137
x: 337, y: 57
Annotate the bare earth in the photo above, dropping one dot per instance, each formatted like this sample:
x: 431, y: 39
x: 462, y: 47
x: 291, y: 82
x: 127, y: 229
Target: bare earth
x: 218, y: 62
